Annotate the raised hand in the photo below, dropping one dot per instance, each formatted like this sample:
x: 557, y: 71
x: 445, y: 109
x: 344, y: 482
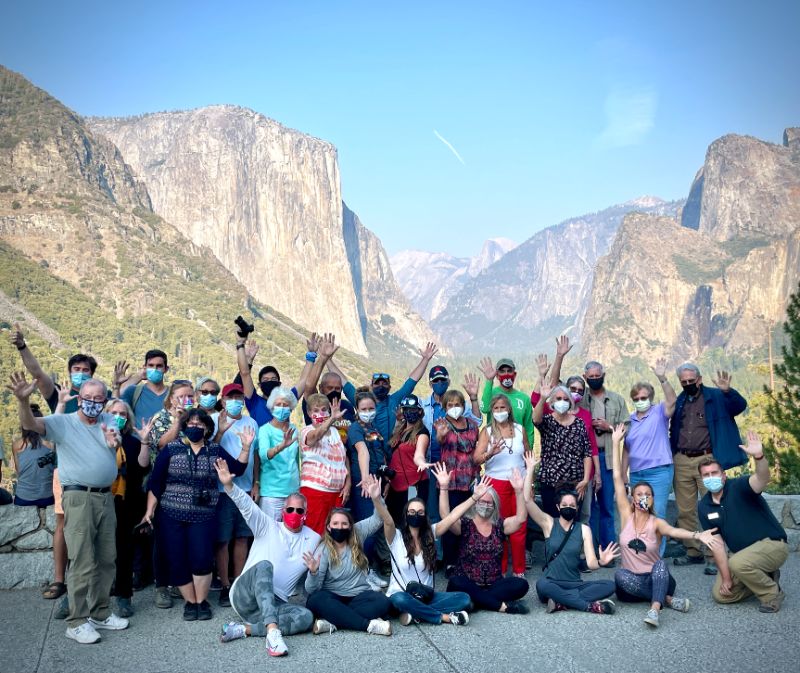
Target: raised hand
x: 429, y: 351
x: 610, y: 553
x: 486, y: 367
x: 120, y: 374
x: 311, y: 561
x: 660, y: 368
x: 17, y: 337
x: 753, y: 446
x: 542, y: 365
x: 545, y: 388
x: 708, y: 538
x: 481, y: 487
x: 494, y: 446
x: 327, y: 346
x: 563, y: 345
x: 143, y: 433
x: 442, y: 475
x: 251, y: 349
x: 337, y: 413
x: 224, y: 422
x: 247, y: 435
x: 224, y: 474
x: 723, y: 381
x: 471, y: 384
x: 515, y: 479
x: 20, y: 387
x: 111, y: 436
x: 65, y: 395
x: 619, y: 432
x: 288, y: 437
x: 373, y: 487
x: 441, y: 427
x: 530, y: 460
x: 312, y: 343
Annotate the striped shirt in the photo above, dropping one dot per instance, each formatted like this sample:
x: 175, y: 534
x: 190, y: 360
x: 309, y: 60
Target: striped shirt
x: 323, y: 466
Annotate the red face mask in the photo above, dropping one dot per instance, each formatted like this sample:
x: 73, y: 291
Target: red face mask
x: 507, y: 379
x: 293, y: 520
x: 318, y: 419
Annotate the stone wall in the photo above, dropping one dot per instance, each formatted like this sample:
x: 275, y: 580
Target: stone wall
x: 26, y: 543
x: 786, y: 509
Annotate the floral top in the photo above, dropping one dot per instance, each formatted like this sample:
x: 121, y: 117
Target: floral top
x: 162, y: 422
x: 479, y: 556
x: 563, y: 451
x: 457, y: 449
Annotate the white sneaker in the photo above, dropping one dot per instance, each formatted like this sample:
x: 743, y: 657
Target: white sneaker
x: 322, y: 626
x: 376, y: 581
x: 276, y: 647
x: 110, y: 623
x: 83, y: 634
x: 460, y: 618
x: 405, y: 618
x: 379, y: 627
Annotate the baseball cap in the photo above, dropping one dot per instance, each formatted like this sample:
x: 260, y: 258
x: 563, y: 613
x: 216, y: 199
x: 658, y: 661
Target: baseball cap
x: 506, y: 362
x: 232, y: 388
x: 438, y: 372
x: 410, y: 402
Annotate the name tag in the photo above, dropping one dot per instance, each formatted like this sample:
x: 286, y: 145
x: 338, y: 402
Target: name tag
x: 713, y: 515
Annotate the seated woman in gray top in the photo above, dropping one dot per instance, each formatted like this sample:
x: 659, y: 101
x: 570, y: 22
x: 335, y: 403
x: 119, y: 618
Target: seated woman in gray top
x: 338, y: 591
x: 560, y: 585
x: 33, y: 461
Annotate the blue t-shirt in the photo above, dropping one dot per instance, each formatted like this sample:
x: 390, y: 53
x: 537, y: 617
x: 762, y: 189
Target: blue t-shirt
x: 257, y: 407
x: 148, y: 404
x: 386, y: 409
x: 280, y: 477
x: 378, y: 447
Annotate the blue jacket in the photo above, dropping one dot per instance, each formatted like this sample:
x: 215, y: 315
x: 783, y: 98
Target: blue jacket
x: 720, y: 411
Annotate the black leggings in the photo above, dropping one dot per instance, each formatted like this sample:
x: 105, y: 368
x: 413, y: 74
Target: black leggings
x: 349, y: 612
x: 493, y: 596
x: 576, y: 595
x: 451, y: 541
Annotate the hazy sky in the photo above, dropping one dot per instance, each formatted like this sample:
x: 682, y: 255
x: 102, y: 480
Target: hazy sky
x: 455, y: 121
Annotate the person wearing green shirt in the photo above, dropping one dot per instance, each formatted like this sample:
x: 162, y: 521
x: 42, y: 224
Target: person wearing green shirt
x: 506, y: 372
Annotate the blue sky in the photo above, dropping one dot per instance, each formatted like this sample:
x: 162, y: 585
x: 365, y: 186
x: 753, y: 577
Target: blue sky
x: 555, y: 109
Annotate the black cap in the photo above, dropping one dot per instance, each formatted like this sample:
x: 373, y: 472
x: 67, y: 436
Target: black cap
x: 438, y: 372
x: 410, y: 402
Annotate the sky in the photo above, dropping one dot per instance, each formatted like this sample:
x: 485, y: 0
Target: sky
x: 454, y: 121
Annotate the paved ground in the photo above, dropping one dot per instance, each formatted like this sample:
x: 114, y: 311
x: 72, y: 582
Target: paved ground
x: 709, y: 638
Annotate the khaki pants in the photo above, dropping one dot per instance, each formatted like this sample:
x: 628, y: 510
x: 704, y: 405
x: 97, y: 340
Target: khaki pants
x: 689, y: 487
x: 90, y: 533
x: 749, y: 572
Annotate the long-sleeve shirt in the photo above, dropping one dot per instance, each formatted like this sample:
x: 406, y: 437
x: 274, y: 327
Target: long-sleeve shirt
x: 520, y: 407
x: 345, y: 578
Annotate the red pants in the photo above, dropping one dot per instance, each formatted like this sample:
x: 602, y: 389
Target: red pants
x: 508, y: 508
x: 319, y: 504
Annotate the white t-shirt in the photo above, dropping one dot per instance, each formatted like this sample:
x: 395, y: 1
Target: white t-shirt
x: 232, y: 443
x: 404, y: 571
x: 510, y: 455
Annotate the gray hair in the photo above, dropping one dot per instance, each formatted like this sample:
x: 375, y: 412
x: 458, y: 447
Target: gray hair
x: 688, y: 367
x: 592, y: 364
x: 470, y: 513
x: 296, y: 496
x: 576, y: 379
x: 566, y: 391
x: 94, y: 383
x: 327, y: 376
x: 281, y: 393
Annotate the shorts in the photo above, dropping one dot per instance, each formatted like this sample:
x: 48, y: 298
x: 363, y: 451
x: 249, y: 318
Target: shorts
x: 230, y: 522
x: 57, y: 493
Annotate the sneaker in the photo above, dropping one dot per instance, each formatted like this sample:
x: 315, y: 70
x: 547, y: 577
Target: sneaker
x: 519, y: 575
x: 379, y: 627
x: 449, y: 571
x: 710, y: 569
x: 322, y: 626
x: 204, y: 611
x: 528, y: 560
x: 405, y: 618
x: 124, y: 607
x: 62, y: 608
x: 232, y: 631
x: 376, y: 580
x: 216, y: 584
x: 225, y: 597
x: 175, y: 592
x: 773, y: 605
x: 776, y: 577
x: 604, y: 607
x: 688, y: 560
x: 552, y: 606
x: 84, y: 634
x: 111, y: 623
x: 163, y: 599
x: 517, y: 608
x: 652, y: 618
x: 680, y: 604
x: 189, y: 612
x: 276, y: 647
x: 459, y: 618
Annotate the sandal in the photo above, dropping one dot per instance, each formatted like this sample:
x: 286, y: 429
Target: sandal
x: 54, y: 590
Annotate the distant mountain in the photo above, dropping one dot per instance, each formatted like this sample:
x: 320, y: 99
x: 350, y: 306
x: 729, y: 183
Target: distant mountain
x: 429, y: 279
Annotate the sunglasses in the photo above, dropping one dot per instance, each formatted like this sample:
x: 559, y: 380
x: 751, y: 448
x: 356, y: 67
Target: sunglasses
x: 292, y: 510
x: 209, y: 392
x: 380, y: 375
x: 576, y: 389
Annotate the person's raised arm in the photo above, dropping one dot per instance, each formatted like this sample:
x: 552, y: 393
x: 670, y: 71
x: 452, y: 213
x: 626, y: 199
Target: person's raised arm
x: 43, y: 381
x: 22, y: 391
x: 471, y: 388
x: 244, y: 365
x: 538, y: 411
x: 449, y: 520
x: 542, y: 519
x: 143, y: 434
x: 514, y: 523
x: 543, y: 366
x: 487, y: 368
x: 363, y: 465
x: 426, y: 355
x: 65, y: 396
x: 660, y: 370
x: 623, y: 507
x: 761, y: 477
x: 317, y: 432
x: 326, y: 348
x: 312, y: 346
x: 562, y: 348
x: 734, y: 402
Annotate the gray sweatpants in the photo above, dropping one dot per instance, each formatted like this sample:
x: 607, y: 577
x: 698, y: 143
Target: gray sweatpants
x: 254, y: 600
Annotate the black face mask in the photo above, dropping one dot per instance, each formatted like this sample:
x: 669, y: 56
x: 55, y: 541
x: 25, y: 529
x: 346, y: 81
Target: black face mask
x: 268, y: 386
x: 194, y: 434
x: 415, y: 520
x: 596, y: 384
x: 568, y: 513
x: 690, y: 389
x: 340, y: 534
x: 334, y: 395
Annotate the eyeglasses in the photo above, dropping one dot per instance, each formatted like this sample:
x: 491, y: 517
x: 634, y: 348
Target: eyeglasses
x: 637, y: 545
x: 576, y: 389
x: 688, y: 382
x: 292, y: 510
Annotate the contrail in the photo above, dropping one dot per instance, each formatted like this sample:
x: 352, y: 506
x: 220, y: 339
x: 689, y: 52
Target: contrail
x: 449, y: 146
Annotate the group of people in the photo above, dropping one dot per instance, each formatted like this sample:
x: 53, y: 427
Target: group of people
x: 358, y: 505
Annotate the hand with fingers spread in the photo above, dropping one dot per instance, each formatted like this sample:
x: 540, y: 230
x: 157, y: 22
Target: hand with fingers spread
x: 619, y: 431
x: 531, y: 461
x: 328, y: 347
x: 563, y: 345
x: 288, y: 437
x: 482, y: 487
x: 471, y: 385
x: 20, y: 387
x: 723, y: 381
x: 545, y: 388
x: 608, y: 554
x: 516, y: 480
x: 246, y: 436
x: 224, y: 474
x: 442, y: 428
x: 312, y: 343
x: 311, y: 561
x: 753, y: 446
x: 580, y: 488
x: 251, y: 349
x: 337, y: 413
x: 111, y: 436
x: 542, y: 365
x: 429, y: 351
x: 442, y: 475
x: 487, y: 368
x: 373, y: 487
x: 224, y: 422
x: 65, y: 396
x: 143, y: 433
x: 120, y: 374
x: 17, y: 337
x: 660, y: 369
x: 709, y: 538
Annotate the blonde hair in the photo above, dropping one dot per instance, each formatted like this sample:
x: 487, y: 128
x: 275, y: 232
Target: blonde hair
x: 495, y: 426
x: 130, y: 424
x: 354, y: 544
x: 317, y: 400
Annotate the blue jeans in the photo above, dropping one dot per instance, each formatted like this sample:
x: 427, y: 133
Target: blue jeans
x: 660, y: 478
x: 443, y: 603
x: 602, y: 517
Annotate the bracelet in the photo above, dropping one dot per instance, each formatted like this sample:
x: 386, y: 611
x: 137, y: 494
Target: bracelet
x: 662, y: 381
x: 761, y: 457
x: 22, y: 347
x: 238, y: 346
x: 473, y: 399
x: 311, y: 356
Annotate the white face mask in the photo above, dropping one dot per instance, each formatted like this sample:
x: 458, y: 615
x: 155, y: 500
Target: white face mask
x: 367, y: 416
x: 561, y: 406
x: 500, y: 416
x: 455, y: 412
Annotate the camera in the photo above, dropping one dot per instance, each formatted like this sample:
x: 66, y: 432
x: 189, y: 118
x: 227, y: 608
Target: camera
x: 203, y: 498
x: 245, y: 327
x: 386, y: 472
x: 49, y: 459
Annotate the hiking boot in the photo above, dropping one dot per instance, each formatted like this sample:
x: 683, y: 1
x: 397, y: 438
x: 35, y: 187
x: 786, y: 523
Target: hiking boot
x: 604, y: 607
x: 276, y: 647
x: 652, y: 618
x: 163, y: 599
x: 189, y: 612
x: 459, y: 618
x: 322, y: 626
x: 773, y: 605
x: 204, y: 611
x: 688, y: 560
x: 84, y: 634
x: 232, y: 631
x: 379, y: 627
x: 225, y: 597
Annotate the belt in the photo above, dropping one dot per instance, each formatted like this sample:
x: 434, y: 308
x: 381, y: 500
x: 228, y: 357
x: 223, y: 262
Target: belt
x: 87, y: 489
x: 695, y: 454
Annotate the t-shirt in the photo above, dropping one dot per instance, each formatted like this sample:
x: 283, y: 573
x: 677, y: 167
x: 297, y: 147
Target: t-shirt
x: 743, y: 516
x: 233, y: 445
x: 403, y: 571
x: 385, y: 410
x: 647, y: 440
x: 280, y: 477
x: 69, y: 408
x: 84, y: 458
x: 520, y: 406
x: 379, y: 451
x: 257, y: 407
x: 148, y: 404
x: 323, y: 467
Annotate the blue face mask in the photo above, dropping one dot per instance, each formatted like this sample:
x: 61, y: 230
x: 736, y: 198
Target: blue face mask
x: 78, y: 379
x: 234, y: 408
x: 281, y: 413
x: 155, y: 375
x: 208, y: 401
x: 713, y: 484
x: 439, y: 387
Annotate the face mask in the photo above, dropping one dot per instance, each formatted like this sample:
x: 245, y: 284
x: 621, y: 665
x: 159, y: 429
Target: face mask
x: 366, y: 416
x: 154, y: 375
x: 440, y: 387
x: 507, y: 380
x: 234, y: 407
x: 339, y: 534
x: 596, y: 384
x: 641, y: 405
x: 267, y: 387
x: 576, y: 397
x: 500, y: 416
x: 381, y: 392
x: 120, y: 420
x: 561, y: 406
x: 293, y: 520
x: 320, y: 418
x: 412, y: 415
x: 455, y: 412
x: 643, y: 502
x: 208, y: 401
x: 334, y: 395
x: 415, y: 520
x: 690, y: 389
x: 281, y: 413
x: 188, y: 403
x: 91, y: 409
x: 78, y: 379
x: 484, y: 509
x: 194, y: 433
x: 568, y: 513
x: 713, y: 484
